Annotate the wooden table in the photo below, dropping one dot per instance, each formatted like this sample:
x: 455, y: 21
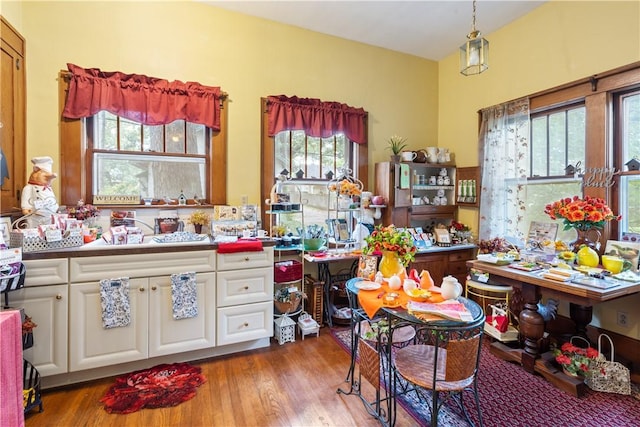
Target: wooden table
x: 530, y: 285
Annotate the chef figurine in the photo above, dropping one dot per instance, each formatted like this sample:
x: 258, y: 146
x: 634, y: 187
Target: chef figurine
x: 38, y: 198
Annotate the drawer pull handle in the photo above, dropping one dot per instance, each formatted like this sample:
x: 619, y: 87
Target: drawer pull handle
x: 247, y: 258
x: 141, y: 289
x: 246, y: 288
x: 153, y: 288
x: 58, y: 296
x: 245, y: 324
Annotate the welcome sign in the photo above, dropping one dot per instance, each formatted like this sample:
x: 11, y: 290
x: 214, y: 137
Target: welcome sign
x: 116, y: 200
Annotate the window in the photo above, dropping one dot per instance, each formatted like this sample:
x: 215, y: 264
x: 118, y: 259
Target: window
x: 152, y: 161
x: 627, y: 124
x: 312, y: 162
x: 106, y: 154
x: 557, y: 140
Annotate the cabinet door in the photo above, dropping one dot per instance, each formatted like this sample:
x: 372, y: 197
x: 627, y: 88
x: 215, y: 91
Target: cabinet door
x: 245, y: 286
x: 245, y: 322
x: 168, y: 335
x: 12, y: 117
x: 48, y: 307
x: 436, y: 264
x: 93, y: 346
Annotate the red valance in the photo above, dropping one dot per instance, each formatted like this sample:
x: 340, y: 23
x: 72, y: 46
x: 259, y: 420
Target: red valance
x: 143, y: 99
x: 316, y: 118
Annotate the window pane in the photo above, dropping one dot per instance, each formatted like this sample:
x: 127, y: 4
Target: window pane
x: 543, y: 193
x: 175, y: 137
x: 148, y: 176
x: 342, y: 152
x: 557, y: 144
x: 630, y: 204
x: 539, y: 146
x: 631, y: 127
x: 106, y: 131
x: 282, y: 152
x: 152, y: 139
x: 298, y: 151
x: 328, y: 156
x: 130, y: 135
x: 576, y: 141
x: 196, y: 139
x: 313, y: 158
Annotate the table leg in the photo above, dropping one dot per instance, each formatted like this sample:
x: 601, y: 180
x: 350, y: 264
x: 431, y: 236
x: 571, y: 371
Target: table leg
x: 532, y: 328
x: 582, y: 316
x: 324, y: 275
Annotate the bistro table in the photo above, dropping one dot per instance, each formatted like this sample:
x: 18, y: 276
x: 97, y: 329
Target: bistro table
x: 368, y: 304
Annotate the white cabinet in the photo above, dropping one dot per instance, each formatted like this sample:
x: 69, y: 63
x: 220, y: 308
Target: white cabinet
x: 45, y: 298
x: 153, y: 331
x: 48, y: 307
x: 245, y: 296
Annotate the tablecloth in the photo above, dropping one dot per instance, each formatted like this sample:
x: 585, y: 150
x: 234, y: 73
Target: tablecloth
x: 11, y: 409
x: 372, y: 301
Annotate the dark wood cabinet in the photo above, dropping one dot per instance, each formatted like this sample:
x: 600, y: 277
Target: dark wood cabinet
x: 444, y: 263
x: 12, y: 132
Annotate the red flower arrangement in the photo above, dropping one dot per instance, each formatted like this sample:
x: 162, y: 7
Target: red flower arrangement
x: 582, y: 214
x: 575, y: 360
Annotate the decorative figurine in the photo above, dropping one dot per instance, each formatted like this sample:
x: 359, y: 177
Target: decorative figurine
x: 38, y: 199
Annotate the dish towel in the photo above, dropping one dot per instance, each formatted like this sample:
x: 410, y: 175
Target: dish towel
x: 184, y: 295
x: 114, y: 298
x: 240, y: 246
x: 11, y: 409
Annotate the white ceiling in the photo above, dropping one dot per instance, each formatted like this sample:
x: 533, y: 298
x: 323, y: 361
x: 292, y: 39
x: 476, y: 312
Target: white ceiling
x: 431, y: 29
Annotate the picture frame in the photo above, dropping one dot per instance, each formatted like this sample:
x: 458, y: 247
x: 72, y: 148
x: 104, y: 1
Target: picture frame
x: 5, y: 229
x: 629, y: 251
x: 342, y: 231
x: 443, y: 237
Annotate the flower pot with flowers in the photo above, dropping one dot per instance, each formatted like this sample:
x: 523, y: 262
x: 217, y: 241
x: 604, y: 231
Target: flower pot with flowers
x: 574, y: 360
x: 396, y: 247
x: 84, y: 212
x: 587, y: 216
x: 348, y: 190
x: 198, y: 218
x: 461, y: 232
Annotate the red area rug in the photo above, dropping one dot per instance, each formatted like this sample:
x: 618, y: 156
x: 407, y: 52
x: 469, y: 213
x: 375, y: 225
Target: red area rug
x: 510, y: 396
x: 157, y: 387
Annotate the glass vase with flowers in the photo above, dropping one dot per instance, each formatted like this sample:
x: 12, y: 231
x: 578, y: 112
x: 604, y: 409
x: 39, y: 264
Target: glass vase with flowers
x: 587, y: 216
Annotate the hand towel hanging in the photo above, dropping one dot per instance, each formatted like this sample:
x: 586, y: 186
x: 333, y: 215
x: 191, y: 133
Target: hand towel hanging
x: 184, y: 295
x: 114, y: 298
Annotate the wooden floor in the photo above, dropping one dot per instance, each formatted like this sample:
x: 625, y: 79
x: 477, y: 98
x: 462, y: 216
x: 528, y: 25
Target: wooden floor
x: 293, y: 384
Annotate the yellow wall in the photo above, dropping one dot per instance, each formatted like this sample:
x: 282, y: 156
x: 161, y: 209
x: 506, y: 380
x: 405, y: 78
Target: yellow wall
x: 247, y: 57
x: 556, y: 43
x: 429, y: 103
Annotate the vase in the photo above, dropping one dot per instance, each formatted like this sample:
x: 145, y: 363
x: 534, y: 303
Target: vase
x: 564, y: 371
x: 197, y: 228
x: 344, y: 202
x: 590, y: 237
x: 390, y: 264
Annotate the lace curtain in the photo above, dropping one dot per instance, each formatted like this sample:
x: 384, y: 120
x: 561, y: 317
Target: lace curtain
x: 143, y: 99
x: 504, y: 143
x: 317, y: 118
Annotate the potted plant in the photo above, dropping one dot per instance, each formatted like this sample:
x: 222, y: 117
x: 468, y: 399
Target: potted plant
x: 396, y: 246
x: 396, y: 145
x: 575, y: 360
x: 198, y: 218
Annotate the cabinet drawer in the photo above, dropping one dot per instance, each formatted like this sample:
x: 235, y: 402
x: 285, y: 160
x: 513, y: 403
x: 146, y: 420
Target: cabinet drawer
x: 42, y: 272
x: 244, y: 323
x: 241, y: 260
x: 463, y: 255
x: 140, y: 265
x: 244, y: 286
x: 457, y: 268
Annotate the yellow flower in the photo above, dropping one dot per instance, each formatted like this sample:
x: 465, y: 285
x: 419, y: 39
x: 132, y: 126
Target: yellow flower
x: 199, y: 217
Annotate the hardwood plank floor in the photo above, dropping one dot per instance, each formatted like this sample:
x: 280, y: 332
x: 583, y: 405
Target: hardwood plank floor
x: 283, y: 385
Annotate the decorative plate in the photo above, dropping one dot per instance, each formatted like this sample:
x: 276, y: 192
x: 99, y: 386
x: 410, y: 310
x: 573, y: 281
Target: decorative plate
x: 367, y: 285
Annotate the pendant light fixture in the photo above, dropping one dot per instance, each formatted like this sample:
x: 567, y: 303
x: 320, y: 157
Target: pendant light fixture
x: 474, y: 54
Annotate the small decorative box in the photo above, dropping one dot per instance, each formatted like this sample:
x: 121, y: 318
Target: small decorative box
x: 307, y: 325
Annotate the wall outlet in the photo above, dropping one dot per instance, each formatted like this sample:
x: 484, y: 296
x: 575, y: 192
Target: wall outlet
x: 622, y: 319
x: 244, y: 199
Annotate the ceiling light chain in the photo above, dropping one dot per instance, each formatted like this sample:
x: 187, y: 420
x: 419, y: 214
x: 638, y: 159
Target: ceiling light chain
x: 474, y: 53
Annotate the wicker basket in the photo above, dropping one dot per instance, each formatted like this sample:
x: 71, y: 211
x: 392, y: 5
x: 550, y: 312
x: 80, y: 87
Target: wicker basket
x: 35, y: 244
x: 287, y: 271
x: 291, y: 306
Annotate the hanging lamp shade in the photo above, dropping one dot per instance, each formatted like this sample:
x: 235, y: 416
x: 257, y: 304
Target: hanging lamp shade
x: 474, y: 54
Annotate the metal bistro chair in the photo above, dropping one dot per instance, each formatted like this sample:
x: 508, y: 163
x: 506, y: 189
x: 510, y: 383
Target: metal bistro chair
x: 445, y: 362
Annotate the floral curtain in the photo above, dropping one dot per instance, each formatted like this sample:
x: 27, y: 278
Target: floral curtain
x: 143, y: 99
x: 316, y: 118
x: 504, y: 144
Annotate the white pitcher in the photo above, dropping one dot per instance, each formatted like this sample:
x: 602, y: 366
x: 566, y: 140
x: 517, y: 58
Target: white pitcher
x: 450, y: 288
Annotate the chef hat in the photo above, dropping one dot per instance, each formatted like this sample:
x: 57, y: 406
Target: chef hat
x: 44, y: 163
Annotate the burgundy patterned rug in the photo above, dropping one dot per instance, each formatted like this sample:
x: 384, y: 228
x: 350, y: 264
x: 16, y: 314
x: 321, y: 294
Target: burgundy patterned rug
x: 510, y: 396
x: 160, y: 386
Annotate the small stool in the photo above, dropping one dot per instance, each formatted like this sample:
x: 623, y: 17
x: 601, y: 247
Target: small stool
x: 485, y: 294
x: 307, y: 325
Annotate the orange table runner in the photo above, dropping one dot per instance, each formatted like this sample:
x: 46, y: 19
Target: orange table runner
x: 372, y: 301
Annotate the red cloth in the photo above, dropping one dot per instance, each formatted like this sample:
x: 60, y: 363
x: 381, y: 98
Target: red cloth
x: 143, y: 99
x: 316, y: 118
x: 11, y: 409
x: 240, y: 246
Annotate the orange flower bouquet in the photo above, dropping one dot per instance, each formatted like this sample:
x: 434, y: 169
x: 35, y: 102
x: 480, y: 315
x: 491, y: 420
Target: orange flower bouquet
x: 581, y: 214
